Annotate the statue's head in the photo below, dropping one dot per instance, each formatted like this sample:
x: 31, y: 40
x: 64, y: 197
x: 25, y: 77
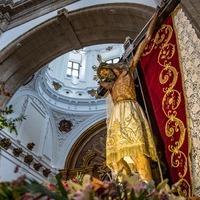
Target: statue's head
x: 104, y: 71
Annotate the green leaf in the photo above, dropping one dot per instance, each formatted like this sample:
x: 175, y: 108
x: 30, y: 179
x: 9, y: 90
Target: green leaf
x: 162, y: 184
x: 142, y: 195
x: 6, y: 192
x: 132, y: 195
x: 125, y: 192
x: 9, y: 123
x: 61, y: 187
x: 34, y: 187
x: 119, y: 191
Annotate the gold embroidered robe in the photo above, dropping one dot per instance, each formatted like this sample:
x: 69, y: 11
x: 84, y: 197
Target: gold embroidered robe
x: 128, y: 130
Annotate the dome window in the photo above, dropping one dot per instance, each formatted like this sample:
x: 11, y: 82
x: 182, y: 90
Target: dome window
x: 73, y: 69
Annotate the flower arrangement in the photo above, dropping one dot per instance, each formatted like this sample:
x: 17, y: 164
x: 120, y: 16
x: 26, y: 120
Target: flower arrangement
x: 86, y: 187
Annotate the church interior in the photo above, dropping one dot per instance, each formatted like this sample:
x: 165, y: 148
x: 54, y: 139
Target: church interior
x: 48, y: 52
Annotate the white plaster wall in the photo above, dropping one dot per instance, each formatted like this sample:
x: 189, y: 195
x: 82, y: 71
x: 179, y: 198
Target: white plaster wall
x: 38, y: 127
x: 33, y: 128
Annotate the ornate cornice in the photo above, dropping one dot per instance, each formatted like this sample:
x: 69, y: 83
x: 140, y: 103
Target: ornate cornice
x: 23, y: 154
x: 25, y: 10
x: 60, y: 101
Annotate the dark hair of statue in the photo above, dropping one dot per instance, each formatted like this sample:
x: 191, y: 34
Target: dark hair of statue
x: 109, y: 67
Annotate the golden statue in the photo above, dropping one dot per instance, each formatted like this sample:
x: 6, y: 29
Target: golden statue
x: 129, y: 139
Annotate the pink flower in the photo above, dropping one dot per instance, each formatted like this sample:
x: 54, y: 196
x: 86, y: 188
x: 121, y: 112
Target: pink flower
x: 27, y: 196
x: 20, y: 180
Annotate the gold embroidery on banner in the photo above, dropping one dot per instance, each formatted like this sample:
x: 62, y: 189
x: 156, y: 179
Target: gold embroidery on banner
x: 175, y: 128
x: 160, y: 39
x: 166, y: 53
x: 179, y: 159
x: 169, y: 73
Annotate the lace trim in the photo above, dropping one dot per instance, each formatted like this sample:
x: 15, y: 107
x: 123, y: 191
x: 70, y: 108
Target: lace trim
x: 189, y: 45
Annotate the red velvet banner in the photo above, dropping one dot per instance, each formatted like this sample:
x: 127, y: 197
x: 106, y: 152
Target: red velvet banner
x: 161, y: 67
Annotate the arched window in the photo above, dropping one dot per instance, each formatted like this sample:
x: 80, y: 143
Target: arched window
x: 73, y: 69
x: 112, y: 61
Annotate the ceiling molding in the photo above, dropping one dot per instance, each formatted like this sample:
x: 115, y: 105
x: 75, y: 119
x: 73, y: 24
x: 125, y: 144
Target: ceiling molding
x: 26, y: 10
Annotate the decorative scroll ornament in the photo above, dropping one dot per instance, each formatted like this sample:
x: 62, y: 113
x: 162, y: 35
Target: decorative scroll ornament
x: 5, y: 143
x: 30, y: 145
x: 56, y: 85
x: 65, y: 126
x: 4, y: 91
x: 46, y: 172
x: 96, y: 157
x: 92, y: 92
x: 37, y: 166
x: 95, y: 68
x: 17, y: 152
x: 28, y: 159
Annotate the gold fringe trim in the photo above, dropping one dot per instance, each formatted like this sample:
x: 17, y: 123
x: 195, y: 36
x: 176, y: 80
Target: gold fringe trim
x: 130, y: 151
